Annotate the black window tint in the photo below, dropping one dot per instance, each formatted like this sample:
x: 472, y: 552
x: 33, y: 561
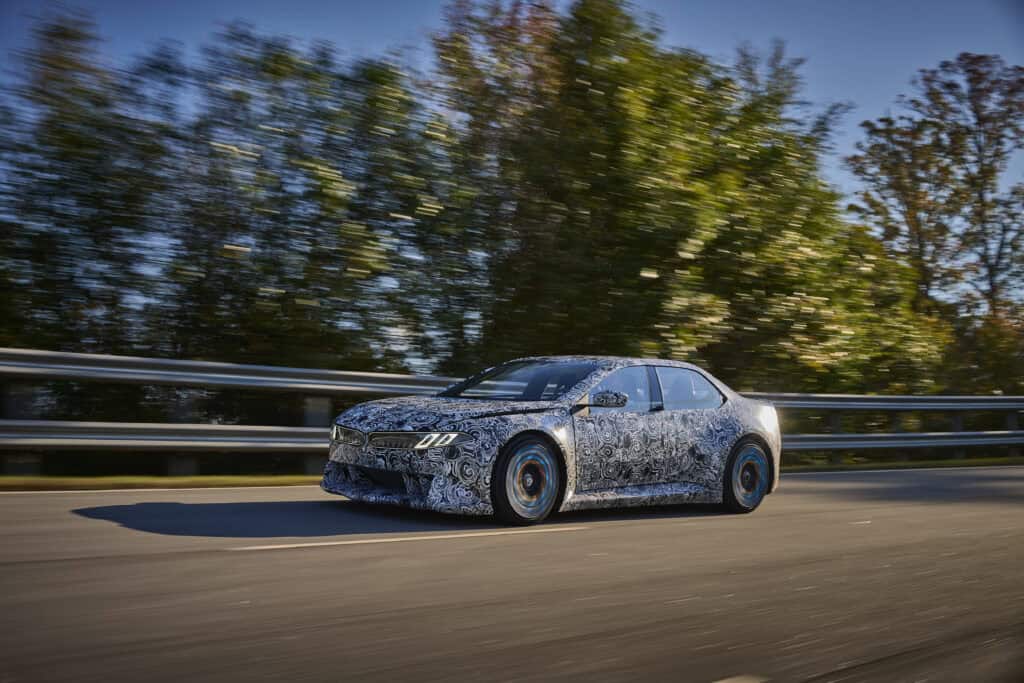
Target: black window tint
x: 632, y: 382
x: 683, y: 389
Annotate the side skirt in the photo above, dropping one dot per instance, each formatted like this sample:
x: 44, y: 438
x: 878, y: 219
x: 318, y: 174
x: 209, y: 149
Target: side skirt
x: 635, y: 496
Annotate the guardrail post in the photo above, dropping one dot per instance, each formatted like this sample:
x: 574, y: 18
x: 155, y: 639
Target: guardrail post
x: 835, y: 426
x: 958, y: 426
x: 1012, y: 426
x: 17, y: 402
x: 896, y: 426
x: 23, y: 464
x: 182, y: 466
x: 183, y: 409
x: 316, y: 412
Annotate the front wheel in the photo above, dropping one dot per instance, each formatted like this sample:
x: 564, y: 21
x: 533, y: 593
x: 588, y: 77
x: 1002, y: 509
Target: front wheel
x: 747, y: 476
x: 526, y: 481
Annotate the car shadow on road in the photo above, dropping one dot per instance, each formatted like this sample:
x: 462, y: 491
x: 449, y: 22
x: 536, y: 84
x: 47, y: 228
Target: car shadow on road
x: 268, y: 519
x: 315, y: 518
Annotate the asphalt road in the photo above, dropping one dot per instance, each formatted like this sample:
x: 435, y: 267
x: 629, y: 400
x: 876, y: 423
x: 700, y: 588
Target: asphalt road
x: 878, y: 576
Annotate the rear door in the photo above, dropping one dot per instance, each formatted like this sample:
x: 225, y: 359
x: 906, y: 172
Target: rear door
x: 613, y: 444
x: 686, y: 425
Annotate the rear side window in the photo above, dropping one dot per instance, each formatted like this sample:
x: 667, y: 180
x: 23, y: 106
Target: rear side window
x: 683, y: 389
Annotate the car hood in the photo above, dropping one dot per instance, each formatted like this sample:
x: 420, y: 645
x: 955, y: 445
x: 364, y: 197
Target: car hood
x: 429, y: 413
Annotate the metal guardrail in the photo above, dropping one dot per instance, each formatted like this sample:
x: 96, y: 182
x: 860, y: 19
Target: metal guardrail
x: 891, y: 403
x: 54, y: 365
x: 60, y: 435
x: 898, y: 440
x: 30, y: 364
x: 147, y: 436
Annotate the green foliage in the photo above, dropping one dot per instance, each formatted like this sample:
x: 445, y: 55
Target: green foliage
x: 652, y: 202
x: 937, y: 188
x: 935, y: 182
x: 79, y: 177
x: 559, y: 182
x: 297, y: 173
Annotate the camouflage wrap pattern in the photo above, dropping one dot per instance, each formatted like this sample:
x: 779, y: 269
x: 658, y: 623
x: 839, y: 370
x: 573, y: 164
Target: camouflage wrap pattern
x: 611, y: 458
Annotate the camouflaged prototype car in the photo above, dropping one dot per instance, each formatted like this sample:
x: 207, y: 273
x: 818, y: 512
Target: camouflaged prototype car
x: 535, y: 435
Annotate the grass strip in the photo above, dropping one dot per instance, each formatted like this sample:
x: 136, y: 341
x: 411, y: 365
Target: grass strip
x: 46, y: 483
x: 903, y: 464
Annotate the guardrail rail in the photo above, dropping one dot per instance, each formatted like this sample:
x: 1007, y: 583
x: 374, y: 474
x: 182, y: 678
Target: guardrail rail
x: 45, y: 366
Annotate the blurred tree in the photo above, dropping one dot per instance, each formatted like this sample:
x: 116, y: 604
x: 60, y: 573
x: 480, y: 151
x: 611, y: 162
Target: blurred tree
x: 910, y: 195
x: 595, y: 217
x: 76, y: 201
x: 800, y: 303
x: 559, y: 182
x: 933, y: 181
x: 935, y: 184
x: 248, y: 209
x: 494, y: 71
x: 989, y: 355
x: 297, y: 179
x: 650, y: 202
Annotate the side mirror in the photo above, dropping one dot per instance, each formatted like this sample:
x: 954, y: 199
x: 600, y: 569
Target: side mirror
x: 608, y: 399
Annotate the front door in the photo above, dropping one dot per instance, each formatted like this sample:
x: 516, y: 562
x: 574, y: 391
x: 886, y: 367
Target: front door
x: 613, y: 445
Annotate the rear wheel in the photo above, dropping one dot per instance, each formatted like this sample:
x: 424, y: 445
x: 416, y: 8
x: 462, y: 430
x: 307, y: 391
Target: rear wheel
x: 747, y: 477
x: 526, y: 481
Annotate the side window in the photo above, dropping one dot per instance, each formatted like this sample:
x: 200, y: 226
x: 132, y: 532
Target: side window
x: 632, y: 382
x: 683, y: 389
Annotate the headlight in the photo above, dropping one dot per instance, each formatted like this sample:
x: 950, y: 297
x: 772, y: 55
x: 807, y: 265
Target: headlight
x: 417, y: 440
x: 350, y: 437
x: 441, y: 439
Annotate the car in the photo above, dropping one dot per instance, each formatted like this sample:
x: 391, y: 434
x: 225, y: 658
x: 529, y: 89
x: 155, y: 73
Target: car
x: 537, y: 435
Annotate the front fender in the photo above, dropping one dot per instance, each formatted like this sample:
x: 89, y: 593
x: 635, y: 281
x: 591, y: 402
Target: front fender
x: 492, y: 433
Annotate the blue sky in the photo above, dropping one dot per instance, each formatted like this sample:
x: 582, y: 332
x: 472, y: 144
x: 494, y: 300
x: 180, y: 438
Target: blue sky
x: 862, y: 51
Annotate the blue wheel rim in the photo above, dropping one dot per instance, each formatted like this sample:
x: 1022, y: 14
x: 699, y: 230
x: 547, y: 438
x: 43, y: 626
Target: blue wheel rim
x: 531, y: 480
x: 750, y: 476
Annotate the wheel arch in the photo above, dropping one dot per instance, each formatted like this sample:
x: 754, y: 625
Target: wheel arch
x: 556, y: 448
x: 754, y: 437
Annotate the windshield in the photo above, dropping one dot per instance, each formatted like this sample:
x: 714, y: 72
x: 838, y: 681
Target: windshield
x: 523, y: 381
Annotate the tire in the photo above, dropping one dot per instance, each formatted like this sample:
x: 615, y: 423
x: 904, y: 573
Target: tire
x: 527, y: 481
x: 747, y: 477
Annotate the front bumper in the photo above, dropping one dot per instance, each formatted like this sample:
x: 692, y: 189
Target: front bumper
x: 449, y: 479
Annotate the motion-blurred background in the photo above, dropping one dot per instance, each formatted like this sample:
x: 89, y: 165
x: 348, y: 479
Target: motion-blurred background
x: 526, y: 178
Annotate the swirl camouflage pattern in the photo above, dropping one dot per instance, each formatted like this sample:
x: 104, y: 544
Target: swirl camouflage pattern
x: 667, y: 436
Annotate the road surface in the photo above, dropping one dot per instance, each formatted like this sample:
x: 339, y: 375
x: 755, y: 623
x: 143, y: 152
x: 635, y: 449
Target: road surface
x: 861, y: 576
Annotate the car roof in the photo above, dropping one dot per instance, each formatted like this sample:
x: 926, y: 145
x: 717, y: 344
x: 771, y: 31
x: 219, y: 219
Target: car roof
x: 614, y: 361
